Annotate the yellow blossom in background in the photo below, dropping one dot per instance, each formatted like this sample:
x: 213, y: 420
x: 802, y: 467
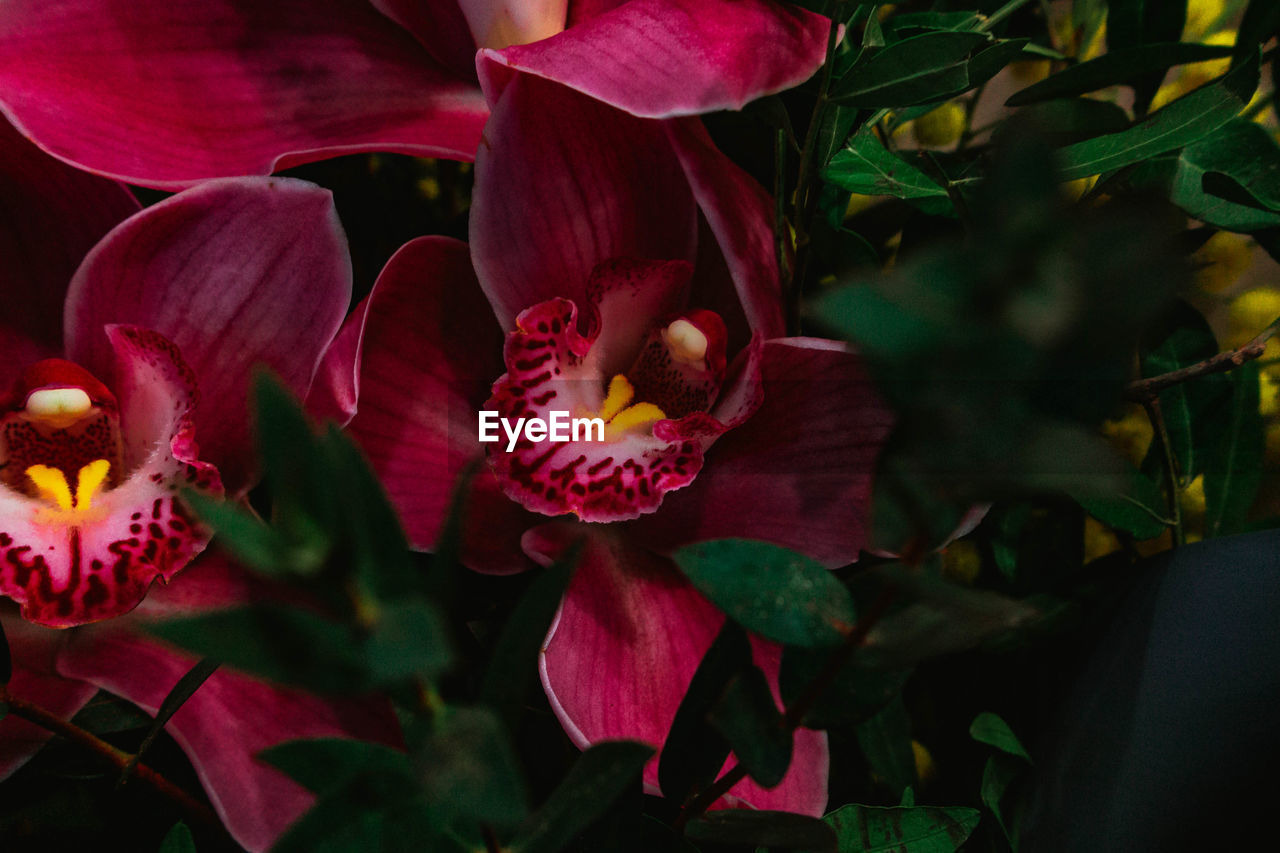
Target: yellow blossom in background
x: 1194, y: 74
x: 941, y: 127
x: 1269, y: 391
x: 1202, y: 16
x: 1273, y: 444
x: 1250, y: 313
x: 1131, y: 434
x: 1029, y: 71
x: 1075, y: 190
x: 1191, y: 503
x: 961, y: 562
x: 926, y: 770
x: 1099, y: 540
x: 859, y: 203
x: 1221, y: 261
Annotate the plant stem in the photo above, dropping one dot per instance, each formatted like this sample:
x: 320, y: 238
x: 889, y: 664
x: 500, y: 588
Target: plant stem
x: 121, y: 759
x: 1141, y: 390
x: 1152, y: 407
x: 795, y: 714
x: 1003, y: 12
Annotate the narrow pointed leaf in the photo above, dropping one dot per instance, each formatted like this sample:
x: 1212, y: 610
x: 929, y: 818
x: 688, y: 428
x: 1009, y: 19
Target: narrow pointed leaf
x: 752, y: 724
x: 1115, y: 68
x: 867, y: 167
x: 988, y: 728
x: 180, y: 693
x: 916, y: 70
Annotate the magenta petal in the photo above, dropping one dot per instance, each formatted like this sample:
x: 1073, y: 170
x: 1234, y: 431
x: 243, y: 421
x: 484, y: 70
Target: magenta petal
x: 237, y: 273
x: 798, y: 472
x: 564, y: 183
x: 225, y: 724
x: 50, y: 215
x: 431, y: 350
x: 740, y: 215
x: 169, y: 93
x: 629, y: 635
x: 34, y: 680
x: 440, y: 27
x: 662, y: 58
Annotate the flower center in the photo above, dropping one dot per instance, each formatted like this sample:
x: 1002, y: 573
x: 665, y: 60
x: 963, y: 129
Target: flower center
x: 61, y: 430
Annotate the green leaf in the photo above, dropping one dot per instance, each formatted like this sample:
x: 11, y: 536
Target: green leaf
x: 514, y: 662
x: 867, y: 167
x: 1139, y: 510
x: 178, y: 840
x: 916, y: 829
x: 1245, y: 153
x: 595, y: 781
x: 916, y: 70
x: 856, y: 694
x: 753, y: 726
x: 409, y: 639
x: 1114, y: 68
x: 1260, y: 21
x: 988, y: 728
x: 468, y: 771
x: 775, y: 592
x: 262, y: 548
x: 1137, y: 22
x: 1233, y: 472
x: 990, y: 61
x: 1186, y: 120
x: 885, y: 740
x: 282, y: 644
x: 776, y: 830
x: 186, y: 687
x: 998, y: 773
x: 694, y: 751
x: 325, y: 764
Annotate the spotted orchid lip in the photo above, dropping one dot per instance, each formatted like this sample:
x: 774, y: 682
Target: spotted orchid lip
x: 89, y: 509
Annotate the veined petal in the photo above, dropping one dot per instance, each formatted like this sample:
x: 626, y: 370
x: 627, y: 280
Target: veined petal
x: 565, y: 183
x: 225, y: 723
x: 237, y: 273
x: 50, y: 215
x: 167, y: 94
x: 440, y: 27
x: 798, y: 471
x: 663, y: 58
x: 430, y: 351
x: 618, y: 659
x: 32, y: 649
x: 69, y: 566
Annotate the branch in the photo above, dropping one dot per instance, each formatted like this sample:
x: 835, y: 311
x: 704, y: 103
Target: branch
x: 1147, y: 389
x: 192, y: 807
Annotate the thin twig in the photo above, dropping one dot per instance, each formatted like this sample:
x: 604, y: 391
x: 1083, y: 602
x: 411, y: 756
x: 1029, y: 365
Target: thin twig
x: 1146, y: 389
x: 795, y: 714
x: 1156, y: 416
x: 121, y: 759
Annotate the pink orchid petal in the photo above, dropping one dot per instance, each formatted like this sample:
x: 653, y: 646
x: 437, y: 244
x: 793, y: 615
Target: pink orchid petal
x: 440, y: 27
x: 168, y: 94
x: 740, y: 215
x: 335, y: 392
x: 565, y: 183
x: 431, y: 351
x: 629, y: 635
x: 50, y: 215
x: 237, y: 273
x: 67, y: 567
x: 662, y: 58
x: 230, y: 719
x: 34, y: 680
x: 798, y: 472
x: 584, y: 10
x: 212, y: 582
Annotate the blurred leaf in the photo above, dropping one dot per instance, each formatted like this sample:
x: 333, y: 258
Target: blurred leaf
x: 178, y: 840
x: 753, y: 726
x: 915, y: 70
x: 998, y: 773
x: 263, y: 548
x: 1139, y: 510
x: 1260, y: 22
x: 514, y: 662
x: 694, y: 751
x: 988, y: 728
x: 990, y: 61
x: 409, y: 639
x: 595, y: 781
x: 1068, y: 120
x: 183, y: 690
x: 776, y: 830
x: 916, y: 829
x: 857, y: 693
x: 1114, y: 68
x: 468, y: 771
x: 770, y: 590
x: 1233, y: 471
x: 867, y: 167
x: 282, y: 644
x: 1186, y: 120
x: 1138, y: 22
x: 885, y: 740
x: 323, y: 764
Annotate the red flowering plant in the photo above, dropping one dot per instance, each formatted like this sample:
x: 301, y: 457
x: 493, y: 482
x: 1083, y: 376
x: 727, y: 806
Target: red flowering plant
x: 184, y: 90
x: 623, y: 270
x: 127, y: 351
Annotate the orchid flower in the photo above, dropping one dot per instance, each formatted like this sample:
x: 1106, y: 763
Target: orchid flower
x: 127, y: 343
x: 179, y: 91
x: 619, y: 268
